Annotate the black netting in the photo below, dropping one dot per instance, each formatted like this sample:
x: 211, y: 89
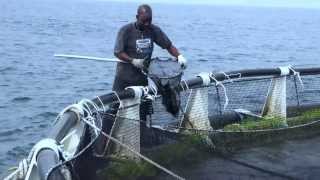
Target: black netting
x: 161, y: 117
x: 131, y: 125
x: 310, y: 94
x: 247, y: 94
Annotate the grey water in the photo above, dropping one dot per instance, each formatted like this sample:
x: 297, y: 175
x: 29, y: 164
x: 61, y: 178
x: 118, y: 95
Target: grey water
x: 35, y: 86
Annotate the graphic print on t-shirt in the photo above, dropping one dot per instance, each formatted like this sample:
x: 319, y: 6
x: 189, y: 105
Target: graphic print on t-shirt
x: 144, y: 46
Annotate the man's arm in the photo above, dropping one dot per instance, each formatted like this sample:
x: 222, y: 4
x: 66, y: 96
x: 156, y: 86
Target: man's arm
x: 123, y: 56
x: 119, y: 49
x: 173, y: 51
x: 163, y: 41
x: 121, y: 41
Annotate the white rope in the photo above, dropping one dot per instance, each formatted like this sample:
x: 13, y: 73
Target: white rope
x: 153, y: 87
x: 224, y: 90
x: 236, y: 74
x: 205, y: 78
x: 185, y: 108
x: 96, y: 107
x: 104, y: 108
x: 145, y: 90
x: 227, y: 76
x: 284, y: 70
x: 133, y: 151
x: 119, y: 100
x: 88, y: 102
x: 296, y: 73
x: 182, y: 88
x: 76, y: 108
x: 86, y: 108
x: 186, y: 84
x: 138, y: 91
x: 154, y: 91
x: 20, y: 172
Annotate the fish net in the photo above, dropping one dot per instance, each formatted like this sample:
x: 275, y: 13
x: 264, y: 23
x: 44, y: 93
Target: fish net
x: 260, y: 96
x: 251, y: 94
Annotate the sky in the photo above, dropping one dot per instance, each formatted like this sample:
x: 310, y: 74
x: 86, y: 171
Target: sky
x: 276, y: 3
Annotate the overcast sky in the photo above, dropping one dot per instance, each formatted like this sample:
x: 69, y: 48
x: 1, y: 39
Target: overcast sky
x: 282, y: 3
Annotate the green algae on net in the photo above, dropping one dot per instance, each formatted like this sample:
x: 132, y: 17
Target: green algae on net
x: 252, y: 133
x: 273, y: 122
x: 188, y: 150
x: 191, y: 148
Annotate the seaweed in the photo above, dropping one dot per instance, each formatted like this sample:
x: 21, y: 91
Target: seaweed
x: 305, y: 117
x: 250, y: 124
x: 189, y: 150
x: 273, y: 122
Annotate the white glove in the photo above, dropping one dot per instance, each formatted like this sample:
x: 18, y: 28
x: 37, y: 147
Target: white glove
x: 182, y: 61
x: 138, y: 63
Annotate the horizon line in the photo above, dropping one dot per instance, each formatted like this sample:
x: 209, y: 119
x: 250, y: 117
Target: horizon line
x: 280, y: 5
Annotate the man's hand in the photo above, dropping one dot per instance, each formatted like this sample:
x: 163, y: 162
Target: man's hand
x: 182, y: 61
x: 138, y: 63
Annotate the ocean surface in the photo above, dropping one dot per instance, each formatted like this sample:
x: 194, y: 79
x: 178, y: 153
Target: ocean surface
x: 35, y: 86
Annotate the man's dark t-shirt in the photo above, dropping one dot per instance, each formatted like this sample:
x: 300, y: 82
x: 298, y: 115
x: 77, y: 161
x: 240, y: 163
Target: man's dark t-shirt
x: 137, y: 44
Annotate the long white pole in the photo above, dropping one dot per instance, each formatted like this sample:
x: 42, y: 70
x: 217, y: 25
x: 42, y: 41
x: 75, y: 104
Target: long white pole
x: 88, y: 58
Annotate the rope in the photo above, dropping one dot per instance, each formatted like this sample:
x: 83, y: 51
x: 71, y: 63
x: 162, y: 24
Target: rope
x: 236, y: 74
x: 186, y: 84
x: 224, y: 90
x: 297, y: 94
x: 153, y: 87
x: 104, y: 108
x: 228, y: 76
x: 20, y: 171
x: 89, y: 120
x: 219, y: 99
x: 76, y: 108
x: 154, y: 91
x: 297, y: 74
x: 182, y: 87
x: 119, y: 100
x: 133, y: 151
x: 86, y: 107
x: 185, y: 108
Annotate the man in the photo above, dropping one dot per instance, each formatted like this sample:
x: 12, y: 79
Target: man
x: 134, y: 45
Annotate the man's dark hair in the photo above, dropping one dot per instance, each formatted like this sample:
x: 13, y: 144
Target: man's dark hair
x: 144, y: 17
x: 144, y: 8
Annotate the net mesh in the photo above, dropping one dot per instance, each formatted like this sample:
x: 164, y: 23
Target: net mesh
x: 310, y: 93
x: 247, y: 94
x: 251, y: 94
x: 127, y: 129
x: 199, y: 104
x: 197, y: 108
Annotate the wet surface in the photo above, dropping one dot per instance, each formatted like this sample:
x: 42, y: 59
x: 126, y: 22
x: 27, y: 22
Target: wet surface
x: 298, y: 159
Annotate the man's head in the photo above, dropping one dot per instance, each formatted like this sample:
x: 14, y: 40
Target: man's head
x: 144, y: 16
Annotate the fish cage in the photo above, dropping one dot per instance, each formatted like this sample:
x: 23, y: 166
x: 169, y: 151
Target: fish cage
x: 93, y: 132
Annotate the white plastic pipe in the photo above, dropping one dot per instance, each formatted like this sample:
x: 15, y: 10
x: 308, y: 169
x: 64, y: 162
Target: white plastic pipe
x: 88, y: 58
